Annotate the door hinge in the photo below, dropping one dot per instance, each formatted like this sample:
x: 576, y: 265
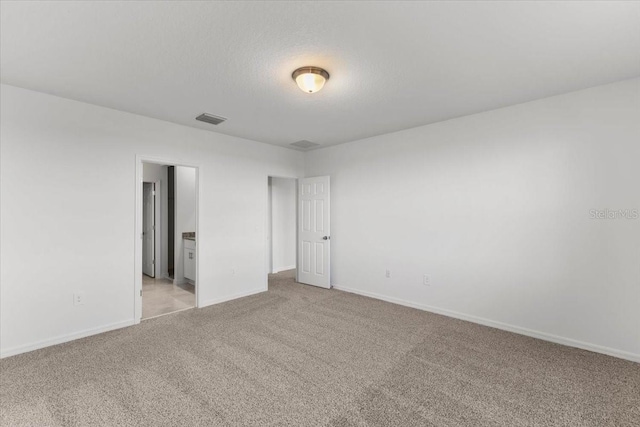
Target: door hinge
x: 153, y: 262
x: 140, y: 292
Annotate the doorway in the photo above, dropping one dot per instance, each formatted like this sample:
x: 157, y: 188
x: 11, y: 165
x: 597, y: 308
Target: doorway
x: 299, y: 230
x: 281, y: 227
x: 166, y: 252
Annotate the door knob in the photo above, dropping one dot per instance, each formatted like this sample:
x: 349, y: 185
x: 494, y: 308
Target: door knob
x: 326, y: 238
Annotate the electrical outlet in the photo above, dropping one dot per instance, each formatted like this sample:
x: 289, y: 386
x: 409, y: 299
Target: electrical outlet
x: 426, y: 280
x: 388, y: 274
x: 78, y: 298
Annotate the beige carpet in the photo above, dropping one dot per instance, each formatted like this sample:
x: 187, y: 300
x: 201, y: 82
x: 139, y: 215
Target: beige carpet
x: 303, y: 356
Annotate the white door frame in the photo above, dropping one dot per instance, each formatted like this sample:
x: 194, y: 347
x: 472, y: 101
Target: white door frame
x: 137, y: 236
x: 269, y: 219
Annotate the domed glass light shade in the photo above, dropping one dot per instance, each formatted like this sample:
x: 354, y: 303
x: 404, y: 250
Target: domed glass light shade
x: 310, y: 79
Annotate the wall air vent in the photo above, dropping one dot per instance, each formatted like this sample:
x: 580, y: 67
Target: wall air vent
x: 304, y: 144
x: 210, y: 118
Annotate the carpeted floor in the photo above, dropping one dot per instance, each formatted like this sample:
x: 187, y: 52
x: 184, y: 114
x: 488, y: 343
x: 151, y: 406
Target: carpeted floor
x: 304, y: 356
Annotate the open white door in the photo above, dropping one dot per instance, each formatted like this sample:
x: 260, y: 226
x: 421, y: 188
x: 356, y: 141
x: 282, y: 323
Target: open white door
x: 314, y: 237
x: 148, y: 229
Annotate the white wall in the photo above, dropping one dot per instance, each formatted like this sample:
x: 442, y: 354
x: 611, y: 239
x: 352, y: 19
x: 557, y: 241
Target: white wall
x: 283, y: 217
x: 185, y: 217
x: 495, y: 207
x: 68, y: 214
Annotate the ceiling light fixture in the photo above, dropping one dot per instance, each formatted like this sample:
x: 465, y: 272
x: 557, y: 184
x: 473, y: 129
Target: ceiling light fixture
x: 310, y: 79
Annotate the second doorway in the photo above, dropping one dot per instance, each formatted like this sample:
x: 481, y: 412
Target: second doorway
x: 169, y: 236
x: 281, y: 230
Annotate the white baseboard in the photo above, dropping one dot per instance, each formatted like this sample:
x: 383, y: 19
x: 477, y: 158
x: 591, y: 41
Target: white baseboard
x: 231, y: 297
x: 64, y: 338
x: 279, y: 269
x: 88, y: 332
x: 499, y: 325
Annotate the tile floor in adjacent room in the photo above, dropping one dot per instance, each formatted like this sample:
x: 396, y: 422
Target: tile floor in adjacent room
x: 161, y: 296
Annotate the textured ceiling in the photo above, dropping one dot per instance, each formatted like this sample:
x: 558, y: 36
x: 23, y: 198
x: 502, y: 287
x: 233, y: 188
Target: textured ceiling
x: 393, y: 65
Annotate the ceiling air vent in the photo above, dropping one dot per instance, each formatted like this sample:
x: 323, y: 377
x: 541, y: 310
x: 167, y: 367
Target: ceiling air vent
x: 210, y: 118
x: 304, y: 144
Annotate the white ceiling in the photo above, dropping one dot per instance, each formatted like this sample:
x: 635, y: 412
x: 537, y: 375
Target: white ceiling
x: 392, y: 65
